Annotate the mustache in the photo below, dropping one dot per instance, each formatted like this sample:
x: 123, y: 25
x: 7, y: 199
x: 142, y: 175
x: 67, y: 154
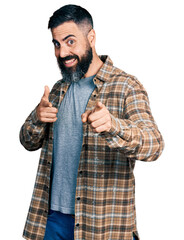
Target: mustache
x: 61, y: 60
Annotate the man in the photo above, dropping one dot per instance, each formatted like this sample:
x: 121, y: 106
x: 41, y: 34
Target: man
x: 92, y: 127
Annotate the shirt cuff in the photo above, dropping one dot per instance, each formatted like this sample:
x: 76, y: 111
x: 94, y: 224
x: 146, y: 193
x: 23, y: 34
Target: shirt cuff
x: 115, y: 128
x: 119, y: 128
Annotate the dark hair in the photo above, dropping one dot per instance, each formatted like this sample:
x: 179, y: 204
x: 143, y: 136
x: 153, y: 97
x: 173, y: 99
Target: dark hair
x: 68, y: 13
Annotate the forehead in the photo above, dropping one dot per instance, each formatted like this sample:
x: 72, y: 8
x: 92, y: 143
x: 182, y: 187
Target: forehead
x: 67, y: 28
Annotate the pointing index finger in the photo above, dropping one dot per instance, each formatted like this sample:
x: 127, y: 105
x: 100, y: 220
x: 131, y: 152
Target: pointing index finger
x: 98, y: 106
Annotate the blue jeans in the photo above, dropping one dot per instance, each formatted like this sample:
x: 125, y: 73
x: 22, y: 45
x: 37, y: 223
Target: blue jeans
x: 60, y: 226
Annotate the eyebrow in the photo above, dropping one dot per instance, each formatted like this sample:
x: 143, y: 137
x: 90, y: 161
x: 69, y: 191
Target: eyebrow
x: 54, y: 41
x: 70, y: 35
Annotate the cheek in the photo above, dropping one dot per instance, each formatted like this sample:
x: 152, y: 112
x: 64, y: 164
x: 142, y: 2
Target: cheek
x: 56, y: 51
x: 78, y: 50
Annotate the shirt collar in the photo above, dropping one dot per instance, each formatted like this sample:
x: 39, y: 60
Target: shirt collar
x: 106, y: 70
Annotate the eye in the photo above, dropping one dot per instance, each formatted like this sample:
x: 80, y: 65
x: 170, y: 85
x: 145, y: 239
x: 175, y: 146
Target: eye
x: 56, y: 44
x: 70, y: 42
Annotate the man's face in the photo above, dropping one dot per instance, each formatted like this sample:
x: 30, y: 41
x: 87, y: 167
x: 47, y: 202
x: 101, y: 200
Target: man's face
x: 72, y: 50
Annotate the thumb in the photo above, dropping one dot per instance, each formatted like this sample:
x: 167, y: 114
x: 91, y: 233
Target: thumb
x: 46, y: 93
x: 85, y: 115
x: 45, y: 99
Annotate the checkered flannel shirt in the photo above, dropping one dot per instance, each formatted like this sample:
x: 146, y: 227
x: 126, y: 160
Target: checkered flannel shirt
x: 105, y: 193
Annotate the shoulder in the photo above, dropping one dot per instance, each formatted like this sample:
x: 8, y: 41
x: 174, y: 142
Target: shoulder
x: 127, y: 81
x: 56, y: 86
x: 113, y: 75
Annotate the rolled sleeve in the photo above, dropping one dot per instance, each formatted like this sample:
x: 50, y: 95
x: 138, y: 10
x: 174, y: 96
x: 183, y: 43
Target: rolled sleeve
x: 32, y: 132
x: 136, y: 134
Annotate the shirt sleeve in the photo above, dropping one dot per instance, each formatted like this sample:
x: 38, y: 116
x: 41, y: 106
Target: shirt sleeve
x: 136, y: 134
x: 32, y: 132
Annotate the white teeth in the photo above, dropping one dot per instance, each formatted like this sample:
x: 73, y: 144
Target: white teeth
x: 69, y: 61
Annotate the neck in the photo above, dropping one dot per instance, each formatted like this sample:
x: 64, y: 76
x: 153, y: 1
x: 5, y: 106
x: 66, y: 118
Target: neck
x: 95, y: 66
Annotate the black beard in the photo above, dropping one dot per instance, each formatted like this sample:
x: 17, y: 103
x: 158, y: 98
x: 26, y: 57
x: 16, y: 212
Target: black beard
x: 74, y: 74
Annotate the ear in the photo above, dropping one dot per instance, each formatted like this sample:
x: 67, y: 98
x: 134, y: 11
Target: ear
x: 92, y: 38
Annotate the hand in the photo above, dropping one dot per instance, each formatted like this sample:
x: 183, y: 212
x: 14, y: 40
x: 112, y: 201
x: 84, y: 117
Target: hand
x: 45, y: 111
x: 99, y: 118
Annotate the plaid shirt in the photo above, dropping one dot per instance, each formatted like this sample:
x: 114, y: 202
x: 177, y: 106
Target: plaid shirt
x: 105, y: 193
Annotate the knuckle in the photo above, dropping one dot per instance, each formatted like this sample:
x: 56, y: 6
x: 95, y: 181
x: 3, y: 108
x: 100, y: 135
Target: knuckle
x: 41, y: 114
x: 93, y: 125
x: 97, y: 130
x: 89, y: 119
x: 41, y: 109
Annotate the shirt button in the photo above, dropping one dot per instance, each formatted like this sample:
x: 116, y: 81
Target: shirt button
x: 45, y: 212
x: 77, y: 225
x: 80, y: 172
x: 84, y: 146
x: 63, y: 92
x: 78, y: 198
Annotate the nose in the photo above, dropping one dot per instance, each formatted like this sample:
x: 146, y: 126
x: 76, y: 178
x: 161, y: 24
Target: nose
x: 63, y: 51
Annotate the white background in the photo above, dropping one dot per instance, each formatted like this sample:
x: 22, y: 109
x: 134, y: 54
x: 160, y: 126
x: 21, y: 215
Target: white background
x: 143, y: 38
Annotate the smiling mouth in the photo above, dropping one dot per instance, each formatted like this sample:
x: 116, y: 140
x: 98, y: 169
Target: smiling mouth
x: 69, y: 63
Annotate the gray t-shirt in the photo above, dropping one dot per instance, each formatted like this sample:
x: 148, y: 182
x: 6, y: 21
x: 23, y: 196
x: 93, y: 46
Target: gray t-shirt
x: 68, y: 136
